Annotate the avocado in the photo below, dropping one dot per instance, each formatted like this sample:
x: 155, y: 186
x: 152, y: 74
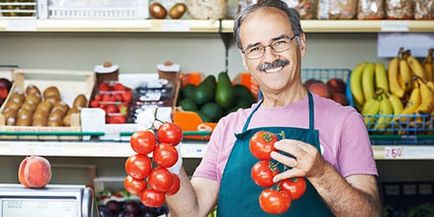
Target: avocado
x: 243, y: 93
x: 188, y: 91
x: 212, y: 110
x: 187, y: 105
x: 225, y: 94
x: 205, y: 118
x: 205, y: 91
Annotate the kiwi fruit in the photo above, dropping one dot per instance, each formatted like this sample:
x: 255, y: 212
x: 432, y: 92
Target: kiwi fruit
x: 45, y: 106
x: 80, y: 102
x: 10, y: 117
x: 13, y: 106
x: 29, y: 107
x: 53, y: 99
x: 17, y: 98
x: 32, y: 99
x: 62, y: 107
x: 51, y: 91
x: 32, y: 90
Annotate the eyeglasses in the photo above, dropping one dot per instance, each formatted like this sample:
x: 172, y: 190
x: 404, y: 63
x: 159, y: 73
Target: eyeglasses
x: 278, y: 46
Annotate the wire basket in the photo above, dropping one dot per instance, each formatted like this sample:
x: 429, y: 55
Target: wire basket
x: 407, y: 127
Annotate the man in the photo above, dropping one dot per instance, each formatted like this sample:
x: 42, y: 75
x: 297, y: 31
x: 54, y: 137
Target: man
x: 329, y: 143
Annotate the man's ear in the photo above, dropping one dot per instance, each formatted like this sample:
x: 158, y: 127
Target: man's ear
x: 302, y: 44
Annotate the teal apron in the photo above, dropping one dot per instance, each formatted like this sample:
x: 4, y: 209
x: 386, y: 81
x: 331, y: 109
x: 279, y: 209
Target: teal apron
x: 238, y: 195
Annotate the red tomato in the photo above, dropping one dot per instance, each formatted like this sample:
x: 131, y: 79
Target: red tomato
x: 143, y: 142
x: 134, y: 186
x: 262, y: 144
x: 104, y: 87
x: 127, y: 96
x: 296, y: 187
x: 165, y: 155
x: 152, y: 198
x: 138, y: 166
x: 160, y: 179
x: 274, y: 202
x: 175, y: 186
x: 119, y: 87
x: 169, y: 133
x: 263, y: 172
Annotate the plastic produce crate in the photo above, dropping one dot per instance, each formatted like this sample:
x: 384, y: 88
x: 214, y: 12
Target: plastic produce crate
x: 93, y: 9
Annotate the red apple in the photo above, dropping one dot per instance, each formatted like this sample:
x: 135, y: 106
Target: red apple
x: 336, y: 85
x: 319, y: 89
x: 340, y: 98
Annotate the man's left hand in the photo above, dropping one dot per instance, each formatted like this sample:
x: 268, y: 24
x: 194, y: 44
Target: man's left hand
x: 306, y: 161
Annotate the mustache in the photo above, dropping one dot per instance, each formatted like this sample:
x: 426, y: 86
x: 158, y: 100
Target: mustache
x: 275, y: 64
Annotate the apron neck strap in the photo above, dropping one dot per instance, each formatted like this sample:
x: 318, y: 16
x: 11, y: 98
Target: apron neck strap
x: 311, y: 113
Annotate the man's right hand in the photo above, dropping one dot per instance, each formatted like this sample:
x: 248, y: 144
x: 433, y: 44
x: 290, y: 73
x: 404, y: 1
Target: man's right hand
x: 194, y: 198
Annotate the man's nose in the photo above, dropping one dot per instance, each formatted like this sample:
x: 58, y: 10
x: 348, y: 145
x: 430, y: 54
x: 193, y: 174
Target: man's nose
x: 269, y: 55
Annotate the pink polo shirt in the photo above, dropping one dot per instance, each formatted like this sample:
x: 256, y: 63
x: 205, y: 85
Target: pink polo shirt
x: 342, y: 134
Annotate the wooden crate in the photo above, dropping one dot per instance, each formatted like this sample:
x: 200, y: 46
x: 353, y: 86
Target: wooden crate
x: 70, y: 83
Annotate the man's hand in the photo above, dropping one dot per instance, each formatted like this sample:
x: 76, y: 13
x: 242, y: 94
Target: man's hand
x: 306, y: 161
x: 358, y: 194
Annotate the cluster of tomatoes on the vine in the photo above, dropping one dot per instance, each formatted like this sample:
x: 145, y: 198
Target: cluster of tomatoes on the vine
x: 150, y: 180
x: 277, y: 199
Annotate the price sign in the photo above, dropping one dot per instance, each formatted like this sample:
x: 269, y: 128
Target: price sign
x: 392, y: 152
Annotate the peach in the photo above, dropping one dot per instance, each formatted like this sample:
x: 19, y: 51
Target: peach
x: 319, y: 89
x: 34, y: 172
x: 340, y: 98
x: 310, y: 82
x: 336, y: 85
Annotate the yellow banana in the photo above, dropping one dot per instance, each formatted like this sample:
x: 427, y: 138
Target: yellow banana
x: 413, y: 103
x: 370, y: 109
x: 368, y: 81
x: 381, y: 77
x: 430, y: 85
x: 396, y: 104
x: 428, y: 64
x: 416, y: 67
x: 386, y: 112
x: 405, y: 73
x: 427, y: 99
x: 393, y: 73
x: 356, y: 84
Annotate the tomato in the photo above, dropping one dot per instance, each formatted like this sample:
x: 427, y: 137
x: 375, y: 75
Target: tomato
x: 134, y: 186
x: 262, y: 144
x: 152, y: 198
x: 263, y: 172
x: 160, y: 179
x: 143, y: 142
x: 274, y: 202
x: 296, y: 186
x: 165, y: 155
x: 175, y: 186
x: 138, y: 166
x: 169, y: 133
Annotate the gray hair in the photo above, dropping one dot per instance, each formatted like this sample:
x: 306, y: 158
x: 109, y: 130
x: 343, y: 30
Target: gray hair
x: 294, y: 17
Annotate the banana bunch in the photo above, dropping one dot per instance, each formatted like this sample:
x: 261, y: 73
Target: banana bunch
x: 385, y: 97
x: 367, y: 78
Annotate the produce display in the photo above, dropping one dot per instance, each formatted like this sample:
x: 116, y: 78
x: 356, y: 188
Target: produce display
x: 275, y: 200
x: 406, y: 88
x: 31, y: 108
x: 213, y: 99
x: 115, y: 99
x: 151, y: 180
x: 34, y: 172
x: 5, y: 86
x: 129, y: 208
x: 18, y: 8
x: 332, y: 89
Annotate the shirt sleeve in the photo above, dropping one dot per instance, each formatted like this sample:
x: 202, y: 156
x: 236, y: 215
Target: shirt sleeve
x: 208, y: 166
x: 355, y: 155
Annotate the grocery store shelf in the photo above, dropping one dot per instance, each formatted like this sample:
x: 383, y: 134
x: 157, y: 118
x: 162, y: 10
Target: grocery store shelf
x: 190, y: 149
x: 205, y: 26
x: 84, y: 149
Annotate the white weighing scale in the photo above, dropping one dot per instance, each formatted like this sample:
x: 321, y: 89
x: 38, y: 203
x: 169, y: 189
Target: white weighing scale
x: 52, y: 201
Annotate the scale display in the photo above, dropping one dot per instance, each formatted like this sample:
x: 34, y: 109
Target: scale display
x: 38, y: 208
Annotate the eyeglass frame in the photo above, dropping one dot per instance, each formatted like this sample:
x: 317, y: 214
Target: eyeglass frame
x: 269, y: 45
